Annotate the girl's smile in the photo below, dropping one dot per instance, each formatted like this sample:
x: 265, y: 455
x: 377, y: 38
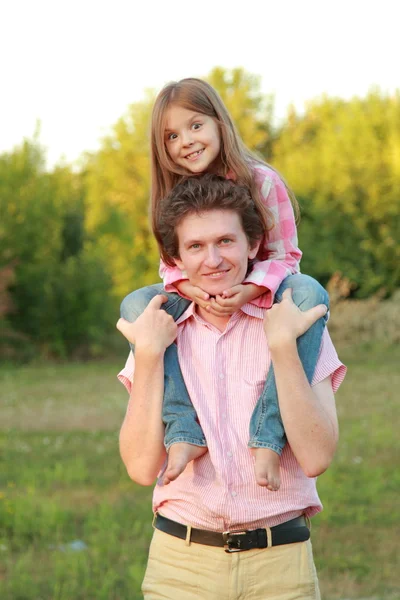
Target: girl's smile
x: 194, y: 155
x: 192, y: 139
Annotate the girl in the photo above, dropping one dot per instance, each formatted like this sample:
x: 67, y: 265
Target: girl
x: 192, y: 133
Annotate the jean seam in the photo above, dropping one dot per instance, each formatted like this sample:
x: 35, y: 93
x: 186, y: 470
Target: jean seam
x: 185, y: 440
x: 175, y: 301
x: 270, y: 446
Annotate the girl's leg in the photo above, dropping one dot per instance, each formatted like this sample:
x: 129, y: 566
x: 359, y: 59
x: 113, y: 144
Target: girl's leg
x: 266, y: 427
x: 134, y: 304
x: 179, y: 415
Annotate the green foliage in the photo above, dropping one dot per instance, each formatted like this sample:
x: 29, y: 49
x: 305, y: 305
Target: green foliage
x: 60, y: 297
x: 118, y: 193
x: 343, y: 160
x: 65, y: 307
x: 251, y: 111
x: 73, y: 244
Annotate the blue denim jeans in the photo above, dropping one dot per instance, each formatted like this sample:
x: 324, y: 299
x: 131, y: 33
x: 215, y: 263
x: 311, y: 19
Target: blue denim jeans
x: 179, y: 415
x: 266, y: 427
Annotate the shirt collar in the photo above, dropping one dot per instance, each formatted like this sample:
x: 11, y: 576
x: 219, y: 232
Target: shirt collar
x: 248, y: 309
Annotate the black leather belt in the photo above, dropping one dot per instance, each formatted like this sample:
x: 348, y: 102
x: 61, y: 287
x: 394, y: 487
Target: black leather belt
x: 292, y: 531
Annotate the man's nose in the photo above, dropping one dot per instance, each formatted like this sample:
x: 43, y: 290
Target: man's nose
x: 213, y: 258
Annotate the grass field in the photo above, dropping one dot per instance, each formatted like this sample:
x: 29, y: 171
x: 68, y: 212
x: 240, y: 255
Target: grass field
x: 62, y: 481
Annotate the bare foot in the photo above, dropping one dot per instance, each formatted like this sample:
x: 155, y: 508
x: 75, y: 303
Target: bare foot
x: 179, y: 455
x: 267, y: 468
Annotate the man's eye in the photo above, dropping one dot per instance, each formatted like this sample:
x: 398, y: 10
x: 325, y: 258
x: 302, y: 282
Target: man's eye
x: 195, y: 246
x: 226, y: 241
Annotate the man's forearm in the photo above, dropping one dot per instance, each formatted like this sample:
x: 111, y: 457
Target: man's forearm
x: 142, y: 433
x: 310, y: 425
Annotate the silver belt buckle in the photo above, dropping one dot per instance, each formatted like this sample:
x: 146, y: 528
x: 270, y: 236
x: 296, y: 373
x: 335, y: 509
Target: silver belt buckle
x: 227, y: 537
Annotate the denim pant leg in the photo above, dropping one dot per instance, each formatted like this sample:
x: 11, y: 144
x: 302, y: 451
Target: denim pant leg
x: 179, y: 415
x: 266, y: 427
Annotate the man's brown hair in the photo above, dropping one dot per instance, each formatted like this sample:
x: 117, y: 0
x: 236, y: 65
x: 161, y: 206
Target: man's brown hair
x: 202, y: 194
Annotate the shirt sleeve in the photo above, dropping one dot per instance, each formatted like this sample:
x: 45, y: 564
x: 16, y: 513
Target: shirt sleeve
x: 279, y: 256
x: 328, y: 364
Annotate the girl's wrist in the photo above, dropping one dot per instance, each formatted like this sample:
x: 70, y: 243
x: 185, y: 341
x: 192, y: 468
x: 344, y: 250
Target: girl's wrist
x: 182, y: 285
x: 254, y: 291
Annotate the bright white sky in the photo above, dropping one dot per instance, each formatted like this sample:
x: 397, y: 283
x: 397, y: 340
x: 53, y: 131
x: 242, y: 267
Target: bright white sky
x: 77, y: 65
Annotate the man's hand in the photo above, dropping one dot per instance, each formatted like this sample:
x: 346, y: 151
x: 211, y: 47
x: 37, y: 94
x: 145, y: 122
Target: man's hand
x: 285, y: 322
x: 231, y: 300
x: 153, y: 331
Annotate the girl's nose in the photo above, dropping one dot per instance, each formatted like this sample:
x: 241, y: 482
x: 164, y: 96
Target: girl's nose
x: 187, y: 138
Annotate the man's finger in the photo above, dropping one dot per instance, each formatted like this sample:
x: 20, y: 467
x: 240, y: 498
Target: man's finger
x: 315, y: 313
x: 157, y: 301
x: 121, y: 324
x: 287, y: 293
x: 125, y: 327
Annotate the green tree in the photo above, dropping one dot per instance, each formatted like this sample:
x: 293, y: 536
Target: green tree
x: 251, y: 110
x: 58, y: 273
x: 118, y: 192
x: 342, y: 159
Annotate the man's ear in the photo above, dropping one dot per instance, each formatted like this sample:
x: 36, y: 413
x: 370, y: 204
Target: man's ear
x: 253, y: 251
x: 179, y: 263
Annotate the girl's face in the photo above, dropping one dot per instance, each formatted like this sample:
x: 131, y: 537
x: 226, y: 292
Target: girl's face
x: 192, y: 140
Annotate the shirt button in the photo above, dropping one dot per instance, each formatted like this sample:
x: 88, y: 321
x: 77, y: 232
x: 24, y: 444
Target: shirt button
x: 221, y: 375
x: 234, y: 494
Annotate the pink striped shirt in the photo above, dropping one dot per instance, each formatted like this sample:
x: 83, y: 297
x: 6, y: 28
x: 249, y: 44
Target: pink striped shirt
x: 224, y: 373
x: 278, y: 256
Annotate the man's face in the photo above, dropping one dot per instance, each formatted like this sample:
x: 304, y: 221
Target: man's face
x: 214, y: 250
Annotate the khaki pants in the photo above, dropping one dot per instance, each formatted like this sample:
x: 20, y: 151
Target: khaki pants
x: 180, y: 571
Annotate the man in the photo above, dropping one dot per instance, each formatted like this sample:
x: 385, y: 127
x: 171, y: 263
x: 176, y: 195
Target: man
x: 212, y: 230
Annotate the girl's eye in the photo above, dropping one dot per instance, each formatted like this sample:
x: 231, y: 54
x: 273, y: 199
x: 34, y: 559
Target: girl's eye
x: 171, y: 137
x: 196, y: 126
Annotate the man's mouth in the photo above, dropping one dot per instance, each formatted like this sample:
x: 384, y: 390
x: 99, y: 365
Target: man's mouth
x: 194, y: 154
x: 216, y: 274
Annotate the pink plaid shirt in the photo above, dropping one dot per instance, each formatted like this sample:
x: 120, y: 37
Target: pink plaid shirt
x: 224, y: 374
x: 279, y: 255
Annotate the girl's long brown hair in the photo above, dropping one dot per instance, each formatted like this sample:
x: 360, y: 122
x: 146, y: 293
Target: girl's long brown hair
x: 199, y: 96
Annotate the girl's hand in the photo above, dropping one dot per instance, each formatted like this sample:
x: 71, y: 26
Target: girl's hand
x: 193, y: 292
x: 153, y: 331
x: 231, y: 300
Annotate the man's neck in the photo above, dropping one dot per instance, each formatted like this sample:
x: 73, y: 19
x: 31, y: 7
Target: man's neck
x: 218, y: 322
